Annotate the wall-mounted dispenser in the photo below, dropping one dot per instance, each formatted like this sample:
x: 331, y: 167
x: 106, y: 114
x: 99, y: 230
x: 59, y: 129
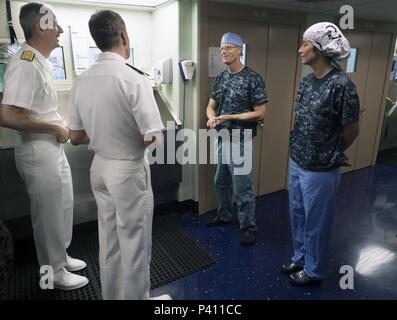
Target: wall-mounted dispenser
x: 163, y: 72
x: 187, y: 68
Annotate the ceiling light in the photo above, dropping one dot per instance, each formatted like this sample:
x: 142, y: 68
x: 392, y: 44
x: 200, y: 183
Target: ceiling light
x: 140, y: 3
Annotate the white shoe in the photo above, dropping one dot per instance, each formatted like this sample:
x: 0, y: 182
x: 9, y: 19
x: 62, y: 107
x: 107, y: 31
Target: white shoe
x: 74, y: 264
x: 65, y: 280
x: 162, y: 297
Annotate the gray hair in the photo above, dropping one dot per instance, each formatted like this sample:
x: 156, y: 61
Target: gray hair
x: 30, y: 14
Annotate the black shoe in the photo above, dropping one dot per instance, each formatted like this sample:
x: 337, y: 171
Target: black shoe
x: 217, y: 222
x: 290, y: 268
x: 248, y: 237
x: 300, y: 278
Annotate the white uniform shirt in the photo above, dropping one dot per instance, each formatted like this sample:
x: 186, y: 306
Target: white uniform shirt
x: 29, y: 84
x: 115, y: 106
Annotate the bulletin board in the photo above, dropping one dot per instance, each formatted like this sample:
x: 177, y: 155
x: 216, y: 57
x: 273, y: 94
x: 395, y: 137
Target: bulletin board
x: 80, y: 50
x: 57, y: 59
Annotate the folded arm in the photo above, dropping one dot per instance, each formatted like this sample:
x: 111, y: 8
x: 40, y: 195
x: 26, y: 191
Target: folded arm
x: 21, y: 119
x: 78, y: 137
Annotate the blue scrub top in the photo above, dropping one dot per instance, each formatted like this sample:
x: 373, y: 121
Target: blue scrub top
x: 322, y: 107
x: 236, y: 93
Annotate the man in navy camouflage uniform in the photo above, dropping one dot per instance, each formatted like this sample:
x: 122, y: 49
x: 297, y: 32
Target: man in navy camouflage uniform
x: 325, y: 125
x: 237, y: 101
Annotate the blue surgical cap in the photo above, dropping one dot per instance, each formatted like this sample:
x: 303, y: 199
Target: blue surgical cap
x: 232, y: 38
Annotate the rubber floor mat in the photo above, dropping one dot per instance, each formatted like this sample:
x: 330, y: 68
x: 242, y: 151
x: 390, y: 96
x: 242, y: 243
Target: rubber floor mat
x: 174, y: 255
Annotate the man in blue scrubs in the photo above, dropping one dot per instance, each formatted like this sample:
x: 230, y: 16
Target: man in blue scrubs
x: 325, y: 125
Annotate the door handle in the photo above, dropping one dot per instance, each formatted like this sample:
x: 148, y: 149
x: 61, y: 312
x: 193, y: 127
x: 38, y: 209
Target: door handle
x: 392, y: 109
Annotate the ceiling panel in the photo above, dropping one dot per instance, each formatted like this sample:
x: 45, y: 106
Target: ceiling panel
x: 381, y: 10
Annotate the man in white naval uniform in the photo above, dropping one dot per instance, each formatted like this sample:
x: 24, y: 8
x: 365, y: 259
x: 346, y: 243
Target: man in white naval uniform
x: 112, y: 108
x: 30, y: 106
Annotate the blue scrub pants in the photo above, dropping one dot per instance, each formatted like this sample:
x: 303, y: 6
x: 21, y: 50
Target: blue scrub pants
x: 311, y: 203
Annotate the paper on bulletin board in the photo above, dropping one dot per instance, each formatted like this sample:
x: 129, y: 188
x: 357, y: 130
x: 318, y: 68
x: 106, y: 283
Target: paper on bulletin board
x: 215, y: 62
x: 80, y: 50
x: 57, y: 61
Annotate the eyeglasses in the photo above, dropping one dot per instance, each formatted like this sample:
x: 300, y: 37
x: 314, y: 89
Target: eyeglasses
x: 226, y: 48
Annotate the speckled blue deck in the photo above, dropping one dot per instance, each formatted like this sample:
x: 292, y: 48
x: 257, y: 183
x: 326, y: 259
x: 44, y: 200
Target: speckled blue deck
x: 364, y: 237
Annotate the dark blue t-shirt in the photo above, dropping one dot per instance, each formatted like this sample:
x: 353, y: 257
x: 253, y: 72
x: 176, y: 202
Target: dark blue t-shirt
x: 323, y: 106
x: 237, y: 93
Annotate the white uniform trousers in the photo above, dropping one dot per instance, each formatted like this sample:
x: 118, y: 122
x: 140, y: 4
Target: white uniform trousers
x: 124, y: 197
x: 42, y: 164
